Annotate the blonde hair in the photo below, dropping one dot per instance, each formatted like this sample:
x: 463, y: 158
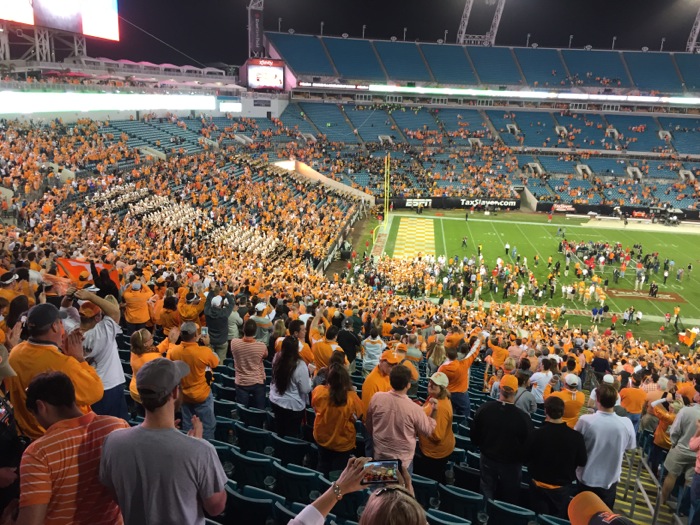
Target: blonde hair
x: 509, y: 365
x: 137, y: 339
x: 393, y: 506
x: 438, y: 356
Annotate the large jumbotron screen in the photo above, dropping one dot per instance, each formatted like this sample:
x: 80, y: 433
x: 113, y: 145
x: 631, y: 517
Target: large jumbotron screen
x: 265, y: 73
x: 98, y: 18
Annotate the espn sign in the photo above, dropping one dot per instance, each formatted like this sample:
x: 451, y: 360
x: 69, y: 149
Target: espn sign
x: 416, y: 203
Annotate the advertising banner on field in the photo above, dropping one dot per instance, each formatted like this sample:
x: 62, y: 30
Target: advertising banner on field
x: 456, y: 203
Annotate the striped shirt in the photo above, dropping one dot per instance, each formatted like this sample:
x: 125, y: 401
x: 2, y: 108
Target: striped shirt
x: 248, y: 355
x: 61, y: 470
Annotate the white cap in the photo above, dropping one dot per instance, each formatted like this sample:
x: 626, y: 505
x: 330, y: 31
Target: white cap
x: 216, y: 301
x: 572, y: 380
x: 260, y: 306
x: 438, y: 329
x: 609, y: 379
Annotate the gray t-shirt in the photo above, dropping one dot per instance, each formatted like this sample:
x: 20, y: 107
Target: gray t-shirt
x: 160, y: 475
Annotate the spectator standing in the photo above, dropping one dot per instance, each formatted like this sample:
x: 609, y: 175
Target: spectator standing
x: 680, y: 459
x: 217, y: 309
x: 573, y: 399
x: 502, y: 432
x: 524, y: 399
x: 159, y: 474
x: 607, y: 437
x: 373, y: 346
x: 436, y: 448
x: 143, y: 351
x: 323, y: 349
x: 349, y: 342
x: 197, y: 398
x: 135, y: 299
x: 289, y: 389
x: 457, y: 371
x: 248, y: 356
x: 633, y: 399
x: 337, y: 407
x: 47, y: 350
x: 262, y: 323
x: 394, y: 420
x: 539, y: 381
x: 235, y: 324
x: 555, y: 452
x: 99, y: 323
x: 59, y: 471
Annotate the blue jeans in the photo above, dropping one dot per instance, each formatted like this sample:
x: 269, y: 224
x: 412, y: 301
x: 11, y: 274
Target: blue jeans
x: 460, y: 403
x: 635, y: 418
x: 205, y: 412
x: 252, y: 396
x: 694, y: 515
x: 112, y: 403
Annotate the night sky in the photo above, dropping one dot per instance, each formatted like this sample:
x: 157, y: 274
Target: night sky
x: 215, y: 30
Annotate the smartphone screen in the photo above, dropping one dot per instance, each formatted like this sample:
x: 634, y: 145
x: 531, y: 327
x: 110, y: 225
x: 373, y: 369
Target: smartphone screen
x: 381, y: 472
x: 205, y: 331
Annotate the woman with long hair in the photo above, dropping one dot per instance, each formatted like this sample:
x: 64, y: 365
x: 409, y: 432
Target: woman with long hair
x: 291, y: 384
x: 143, y: 350
x: 18, y: 307
x: 279, y: 330
x: 436, y: 355
x: 436, y: 448
x: 337, y: 407
x: 169, y: 316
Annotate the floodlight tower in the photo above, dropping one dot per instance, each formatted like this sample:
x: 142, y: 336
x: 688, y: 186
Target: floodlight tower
x: 489, y: 39
x: 692, y: 46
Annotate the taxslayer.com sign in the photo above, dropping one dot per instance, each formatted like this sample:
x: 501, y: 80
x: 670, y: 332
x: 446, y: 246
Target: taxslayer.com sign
x: 564, y: 208
x: 488, y: 202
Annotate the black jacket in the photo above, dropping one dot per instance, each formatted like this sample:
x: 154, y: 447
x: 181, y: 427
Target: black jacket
x: 502, y: 432
x: 554, y: 453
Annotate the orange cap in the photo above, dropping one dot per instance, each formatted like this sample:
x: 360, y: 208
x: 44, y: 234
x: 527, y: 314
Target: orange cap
x: 390, y: 357
x: 586, y: 506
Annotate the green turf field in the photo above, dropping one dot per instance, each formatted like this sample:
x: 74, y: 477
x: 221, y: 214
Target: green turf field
x: 531, y: 234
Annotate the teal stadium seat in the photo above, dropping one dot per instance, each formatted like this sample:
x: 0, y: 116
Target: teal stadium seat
x: 251, y: 470
x: 243, y: 509
x: 436, y: 517
x: 544, y: 519
x: 501, y: 512
x: 460, y: 502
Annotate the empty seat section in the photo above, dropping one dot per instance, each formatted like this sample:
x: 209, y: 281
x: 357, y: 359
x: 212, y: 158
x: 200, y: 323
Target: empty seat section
x: 354, y: 59
x: 461, y: 124
x: 595, y: 68
x: 685, y: 133
x: 330, y: 121
x: 606, y: 167
x: 653, y: 71
x: 415, y: 123
x: 369, y: 122
x: 449, y: 64
x: 303, y: 53
x: 292, y: 116
x: 500, y: 120
x: 689, y: 66
x: 538, y: 128
x: 637, y: 133
x: 402, y: 61
x: 588, y: 130
x: 495, y: 65
x: 541, y: 67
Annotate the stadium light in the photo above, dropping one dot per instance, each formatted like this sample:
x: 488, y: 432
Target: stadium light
x: 363, y: 30
x: 527, y: 41
x: 279, y: 24
x: 404, y: 33
x: 571, y: 39
x: 321, y: 27
x: 445, y: 35
x: 613, y: 43
x: 663, y: 39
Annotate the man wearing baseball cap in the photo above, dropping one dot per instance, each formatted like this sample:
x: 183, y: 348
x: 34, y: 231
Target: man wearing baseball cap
x: 502, y: 432
x: 158, y: 474
x: 48, y: 348
x: 377, y: 381
x: 436, y: 449
x: 573, y: 399
x: 588, y: 509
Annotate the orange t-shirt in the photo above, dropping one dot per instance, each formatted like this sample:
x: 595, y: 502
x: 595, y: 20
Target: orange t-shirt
x: 334, y: 426
x: 632, y: 399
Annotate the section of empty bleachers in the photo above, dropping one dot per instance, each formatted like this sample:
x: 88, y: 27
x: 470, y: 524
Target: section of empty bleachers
x: 330, y: 121
x: 414, y: 123
x: 157, y: 135
x: 637, y: 133
x: 557, y: 164
x: 595, y: 68
x: 653, y: 71
x: 495, y: 65
x: 449, y: 64
x: 689, y: 66
x: 354, y: 59
x: 541, y: 67
x: 370, y: 122
x: 462, y: 124
x: 538, y: 128
x: 588, y: 129
x: 402, y: 61
x: 606, y: 167
x: 303, y: 53
x: 293, y: 116
x: 685, y: 133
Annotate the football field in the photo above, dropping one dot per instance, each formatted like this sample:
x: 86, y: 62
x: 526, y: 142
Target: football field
x: 530, y: 234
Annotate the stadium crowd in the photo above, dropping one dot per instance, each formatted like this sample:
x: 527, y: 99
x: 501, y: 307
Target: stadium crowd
x: 211, y: 257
